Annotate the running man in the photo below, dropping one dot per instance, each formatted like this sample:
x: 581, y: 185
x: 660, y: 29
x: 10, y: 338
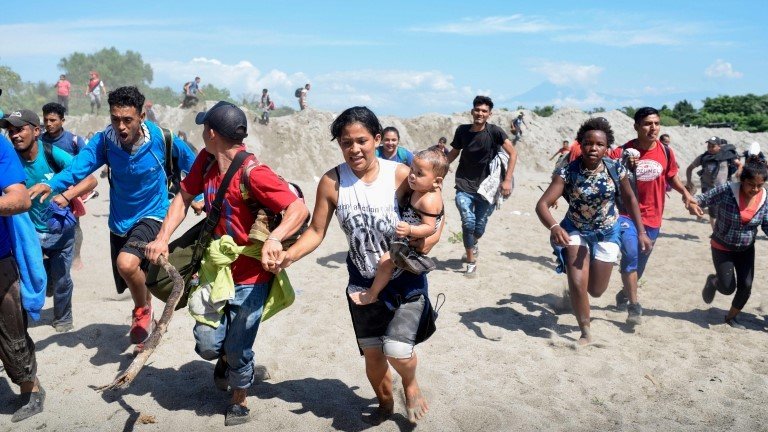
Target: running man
x: 517, y: 128
x: 134, y: 149
x: 17, y: 351
x: 191, y: 89
x: 654, y: 169
x: 57, y: 241
x: 476, y: 145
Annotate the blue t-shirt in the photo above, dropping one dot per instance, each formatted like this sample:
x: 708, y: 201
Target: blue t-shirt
x: 402, y: 155
x: 193, y: 88
x: 12, y: 173
x: 38, y: 171
x: 139, y: 189
x: 66, y: 141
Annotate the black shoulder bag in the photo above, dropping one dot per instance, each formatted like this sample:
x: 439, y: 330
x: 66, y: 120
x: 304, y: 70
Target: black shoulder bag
x: 186, y: 252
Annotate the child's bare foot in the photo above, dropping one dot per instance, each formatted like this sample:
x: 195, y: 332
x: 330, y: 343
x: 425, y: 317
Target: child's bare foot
x: 586, y: 337
x: 378, y: 415
x: 416, y: 405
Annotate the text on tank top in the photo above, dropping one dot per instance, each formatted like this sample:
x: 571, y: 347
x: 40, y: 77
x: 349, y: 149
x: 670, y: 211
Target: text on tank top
x: 368, y: 214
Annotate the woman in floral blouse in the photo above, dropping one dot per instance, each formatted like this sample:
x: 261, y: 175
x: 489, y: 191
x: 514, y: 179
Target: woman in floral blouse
x: 586, y: 241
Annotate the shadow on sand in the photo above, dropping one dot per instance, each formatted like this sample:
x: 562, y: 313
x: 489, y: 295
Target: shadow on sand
x: 541, y: 322
x: 546, y: 261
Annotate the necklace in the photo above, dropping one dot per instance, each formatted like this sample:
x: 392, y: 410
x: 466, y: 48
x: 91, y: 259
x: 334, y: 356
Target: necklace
x: 589, y: 172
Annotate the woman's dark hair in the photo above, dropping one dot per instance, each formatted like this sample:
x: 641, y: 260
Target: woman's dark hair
x: 482, y: 100
x: 391, y: 129
x: 443, y: 139
x: 128, y: 96
x: 595, y: 124
x: 753, y: 169
x: 357, y: 114
x: 644, y: 112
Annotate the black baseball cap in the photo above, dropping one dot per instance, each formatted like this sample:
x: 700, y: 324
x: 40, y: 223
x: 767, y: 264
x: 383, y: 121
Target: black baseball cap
x: 226, y: 119
x: 19, y: 119
x: 717, y: 141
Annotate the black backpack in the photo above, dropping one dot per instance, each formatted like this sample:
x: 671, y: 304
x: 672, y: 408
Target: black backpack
x: 297, y: 93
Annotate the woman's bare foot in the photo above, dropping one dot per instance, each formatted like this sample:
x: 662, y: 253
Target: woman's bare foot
x: 586, y: 336
x: 377, y: 415
x: 416, y: 405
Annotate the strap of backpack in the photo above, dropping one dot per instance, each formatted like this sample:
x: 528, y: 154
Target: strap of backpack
x: 212, y: 219
x: 48, y: 152
x: 168, y: 139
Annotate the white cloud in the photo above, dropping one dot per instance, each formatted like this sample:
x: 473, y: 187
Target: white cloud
x: 591, y: 100
x: 623, y: 38
x: 491, y: 25
x: 722, y: 69
x: 398, y: 92
x: 565, y: 73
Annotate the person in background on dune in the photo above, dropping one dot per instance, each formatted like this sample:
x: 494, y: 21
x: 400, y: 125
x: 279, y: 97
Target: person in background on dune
x: 95, y: 90
x: 476, y: 145
x: 390, y: 148
x: 151, y: 116
x: 586, y: 241
x: 655, y: 168
x: 741, y: 208
x: 364, y: 193
x: 517, y: 128
x: 442, y: 146
x: 718, y: 163
x: 303, y: 96
x: 562, y: 150
x: 135, y: 151
x: 63, y: 88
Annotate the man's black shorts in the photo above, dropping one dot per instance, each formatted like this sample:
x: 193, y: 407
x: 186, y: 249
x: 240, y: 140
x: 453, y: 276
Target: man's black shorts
x: 144, y: 231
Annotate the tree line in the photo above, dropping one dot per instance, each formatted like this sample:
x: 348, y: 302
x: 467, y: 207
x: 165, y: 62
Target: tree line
x: 116, y: 69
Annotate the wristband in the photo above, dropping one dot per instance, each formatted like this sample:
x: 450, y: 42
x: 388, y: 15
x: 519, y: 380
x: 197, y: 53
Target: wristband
x: 274, y: 238
x: 557, y: 224
x: 65, y: 197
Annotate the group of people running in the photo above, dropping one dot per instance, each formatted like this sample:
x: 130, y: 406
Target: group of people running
x: 388, y: 203
x: 616, y: 198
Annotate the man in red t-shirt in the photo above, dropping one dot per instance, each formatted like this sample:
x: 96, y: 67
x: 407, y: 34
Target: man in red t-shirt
x: 231, y: 343
x: 654, y: 169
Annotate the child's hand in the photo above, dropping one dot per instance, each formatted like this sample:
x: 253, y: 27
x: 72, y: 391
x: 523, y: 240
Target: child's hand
x: 363, y: 298
x: 403, y: 229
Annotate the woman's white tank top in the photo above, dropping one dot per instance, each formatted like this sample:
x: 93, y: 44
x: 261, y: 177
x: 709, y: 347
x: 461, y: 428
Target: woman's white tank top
x: 368, y: 214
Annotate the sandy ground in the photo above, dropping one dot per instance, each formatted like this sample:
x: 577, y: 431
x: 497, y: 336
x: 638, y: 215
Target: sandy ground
x: 502, y: 359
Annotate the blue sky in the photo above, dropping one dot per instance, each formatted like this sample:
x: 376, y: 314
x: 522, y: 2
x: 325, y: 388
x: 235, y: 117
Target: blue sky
x: 407, y: 57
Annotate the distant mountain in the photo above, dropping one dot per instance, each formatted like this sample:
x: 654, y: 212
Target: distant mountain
x: 548, y: 93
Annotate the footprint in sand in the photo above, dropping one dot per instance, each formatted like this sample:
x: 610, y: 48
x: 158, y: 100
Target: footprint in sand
x: 478, y: 418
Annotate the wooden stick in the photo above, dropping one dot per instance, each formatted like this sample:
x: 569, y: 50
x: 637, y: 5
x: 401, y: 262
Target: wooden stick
x: 124, y: 379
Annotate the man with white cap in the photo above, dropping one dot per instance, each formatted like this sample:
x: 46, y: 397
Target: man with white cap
x: 718, y: 164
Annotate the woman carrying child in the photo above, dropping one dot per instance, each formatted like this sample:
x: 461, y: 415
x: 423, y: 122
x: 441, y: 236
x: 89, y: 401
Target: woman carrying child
x: 588, y: 236
x: 364, y: 193
x: 741, y: 208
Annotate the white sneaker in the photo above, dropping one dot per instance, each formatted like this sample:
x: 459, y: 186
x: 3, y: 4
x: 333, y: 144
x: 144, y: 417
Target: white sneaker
x: 471, y: 270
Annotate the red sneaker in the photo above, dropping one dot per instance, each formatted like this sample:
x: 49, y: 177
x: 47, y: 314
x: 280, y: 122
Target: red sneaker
x: 142, y: 324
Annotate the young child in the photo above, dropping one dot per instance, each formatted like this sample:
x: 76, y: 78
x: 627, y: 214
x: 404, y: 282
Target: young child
x: 420, y: 217
x: 562, y: 150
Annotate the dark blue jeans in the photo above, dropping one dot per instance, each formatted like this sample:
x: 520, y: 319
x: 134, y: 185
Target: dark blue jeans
x: 59, y: 250
x: 474, y: 211
x: 235, y: 334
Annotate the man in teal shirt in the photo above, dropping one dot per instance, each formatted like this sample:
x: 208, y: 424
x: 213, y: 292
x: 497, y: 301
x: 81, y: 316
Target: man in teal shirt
x: 56, y: 241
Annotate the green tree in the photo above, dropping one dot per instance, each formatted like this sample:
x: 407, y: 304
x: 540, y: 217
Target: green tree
x: 684, y: 112
x: 544, y: 111
x: 115, y: 68
x: 629, y: 111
